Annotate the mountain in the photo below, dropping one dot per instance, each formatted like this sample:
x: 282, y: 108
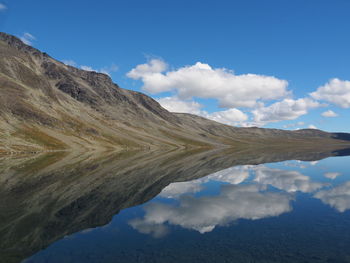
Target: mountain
x: 53, y: 195
x: 47, y: 105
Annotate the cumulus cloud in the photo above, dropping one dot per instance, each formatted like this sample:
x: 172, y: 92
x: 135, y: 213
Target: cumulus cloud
x: 231, y: 116
x: 27, y: 38
x: 287, y: 109
x: 201, y: 80
x: 204, y: 213
x: 311, y: 126
x: 174, y: 104
x: 154, y: 66
x: 336, y: 91
x: 264, y: 99
x: 337, y: 197
x: 3, y: 7
x: 289, y: 181
x: 329, y: 114
x: 332, y: 175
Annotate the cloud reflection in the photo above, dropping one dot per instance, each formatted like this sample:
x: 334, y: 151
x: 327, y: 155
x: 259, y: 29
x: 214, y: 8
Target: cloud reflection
x: 236, y: 200
x: 204, y: 213
x: 332, y: 175
x: 233, y: 175
x: 289, y: 181
x: 337, y: 197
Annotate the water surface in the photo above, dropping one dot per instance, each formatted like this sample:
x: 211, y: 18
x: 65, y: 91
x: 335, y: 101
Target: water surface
x: 287, y: 211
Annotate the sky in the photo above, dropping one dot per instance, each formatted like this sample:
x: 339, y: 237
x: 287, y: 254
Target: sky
x: 272, y: 63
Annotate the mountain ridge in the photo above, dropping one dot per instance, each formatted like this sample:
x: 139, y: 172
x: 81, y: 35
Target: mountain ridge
x: 47, y: 105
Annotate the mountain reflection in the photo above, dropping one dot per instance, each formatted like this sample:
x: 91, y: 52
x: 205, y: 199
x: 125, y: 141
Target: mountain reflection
x: 47, y: 197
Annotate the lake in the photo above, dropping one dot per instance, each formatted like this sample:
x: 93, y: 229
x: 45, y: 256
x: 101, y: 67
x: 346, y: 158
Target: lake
x: 176, y: 206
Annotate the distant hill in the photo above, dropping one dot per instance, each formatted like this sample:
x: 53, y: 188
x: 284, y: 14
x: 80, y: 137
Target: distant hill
x: 47, y: 105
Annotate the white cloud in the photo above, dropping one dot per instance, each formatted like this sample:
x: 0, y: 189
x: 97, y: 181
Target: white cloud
x: 88, y: 68
x: 287, y: 109
x: 3, y: 7
x: 201, y: 80
x: 337, y: 197
x: 231, y: 116
x: 204, y: 213
x: 70, y: 63
x: 154, y: 66
x: 336, y: 91
x: 289, y: 181
x: 267, y: 96
x: 174, y: 104
x: 331, y: 175
x: 27, y: 38
x: 329, y: 114
x: 311, y: 126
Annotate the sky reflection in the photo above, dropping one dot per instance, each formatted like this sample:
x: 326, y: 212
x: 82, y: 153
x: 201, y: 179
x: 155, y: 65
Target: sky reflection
x: 291, y: 211
x: 249, y: 192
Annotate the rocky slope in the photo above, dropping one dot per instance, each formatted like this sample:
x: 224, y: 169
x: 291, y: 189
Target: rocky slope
x: 47, y: 105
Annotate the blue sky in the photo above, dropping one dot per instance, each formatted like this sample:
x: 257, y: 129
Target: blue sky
x: 196, y: 54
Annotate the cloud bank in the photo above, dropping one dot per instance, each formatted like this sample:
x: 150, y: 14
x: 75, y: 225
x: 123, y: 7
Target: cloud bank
x: 287, y: 109
x: 201, y: 80
x: 231, y: 116
x: 247, y: 99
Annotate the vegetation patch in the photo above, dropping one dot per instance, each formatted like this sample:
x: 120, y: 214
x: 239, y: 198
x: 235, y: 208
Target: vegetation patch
x: 36, y: 136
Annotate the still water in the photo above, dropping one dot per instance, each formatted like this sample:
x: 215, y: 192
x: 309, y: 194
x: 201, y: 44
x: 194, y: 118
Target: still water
x: 289, y: 211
